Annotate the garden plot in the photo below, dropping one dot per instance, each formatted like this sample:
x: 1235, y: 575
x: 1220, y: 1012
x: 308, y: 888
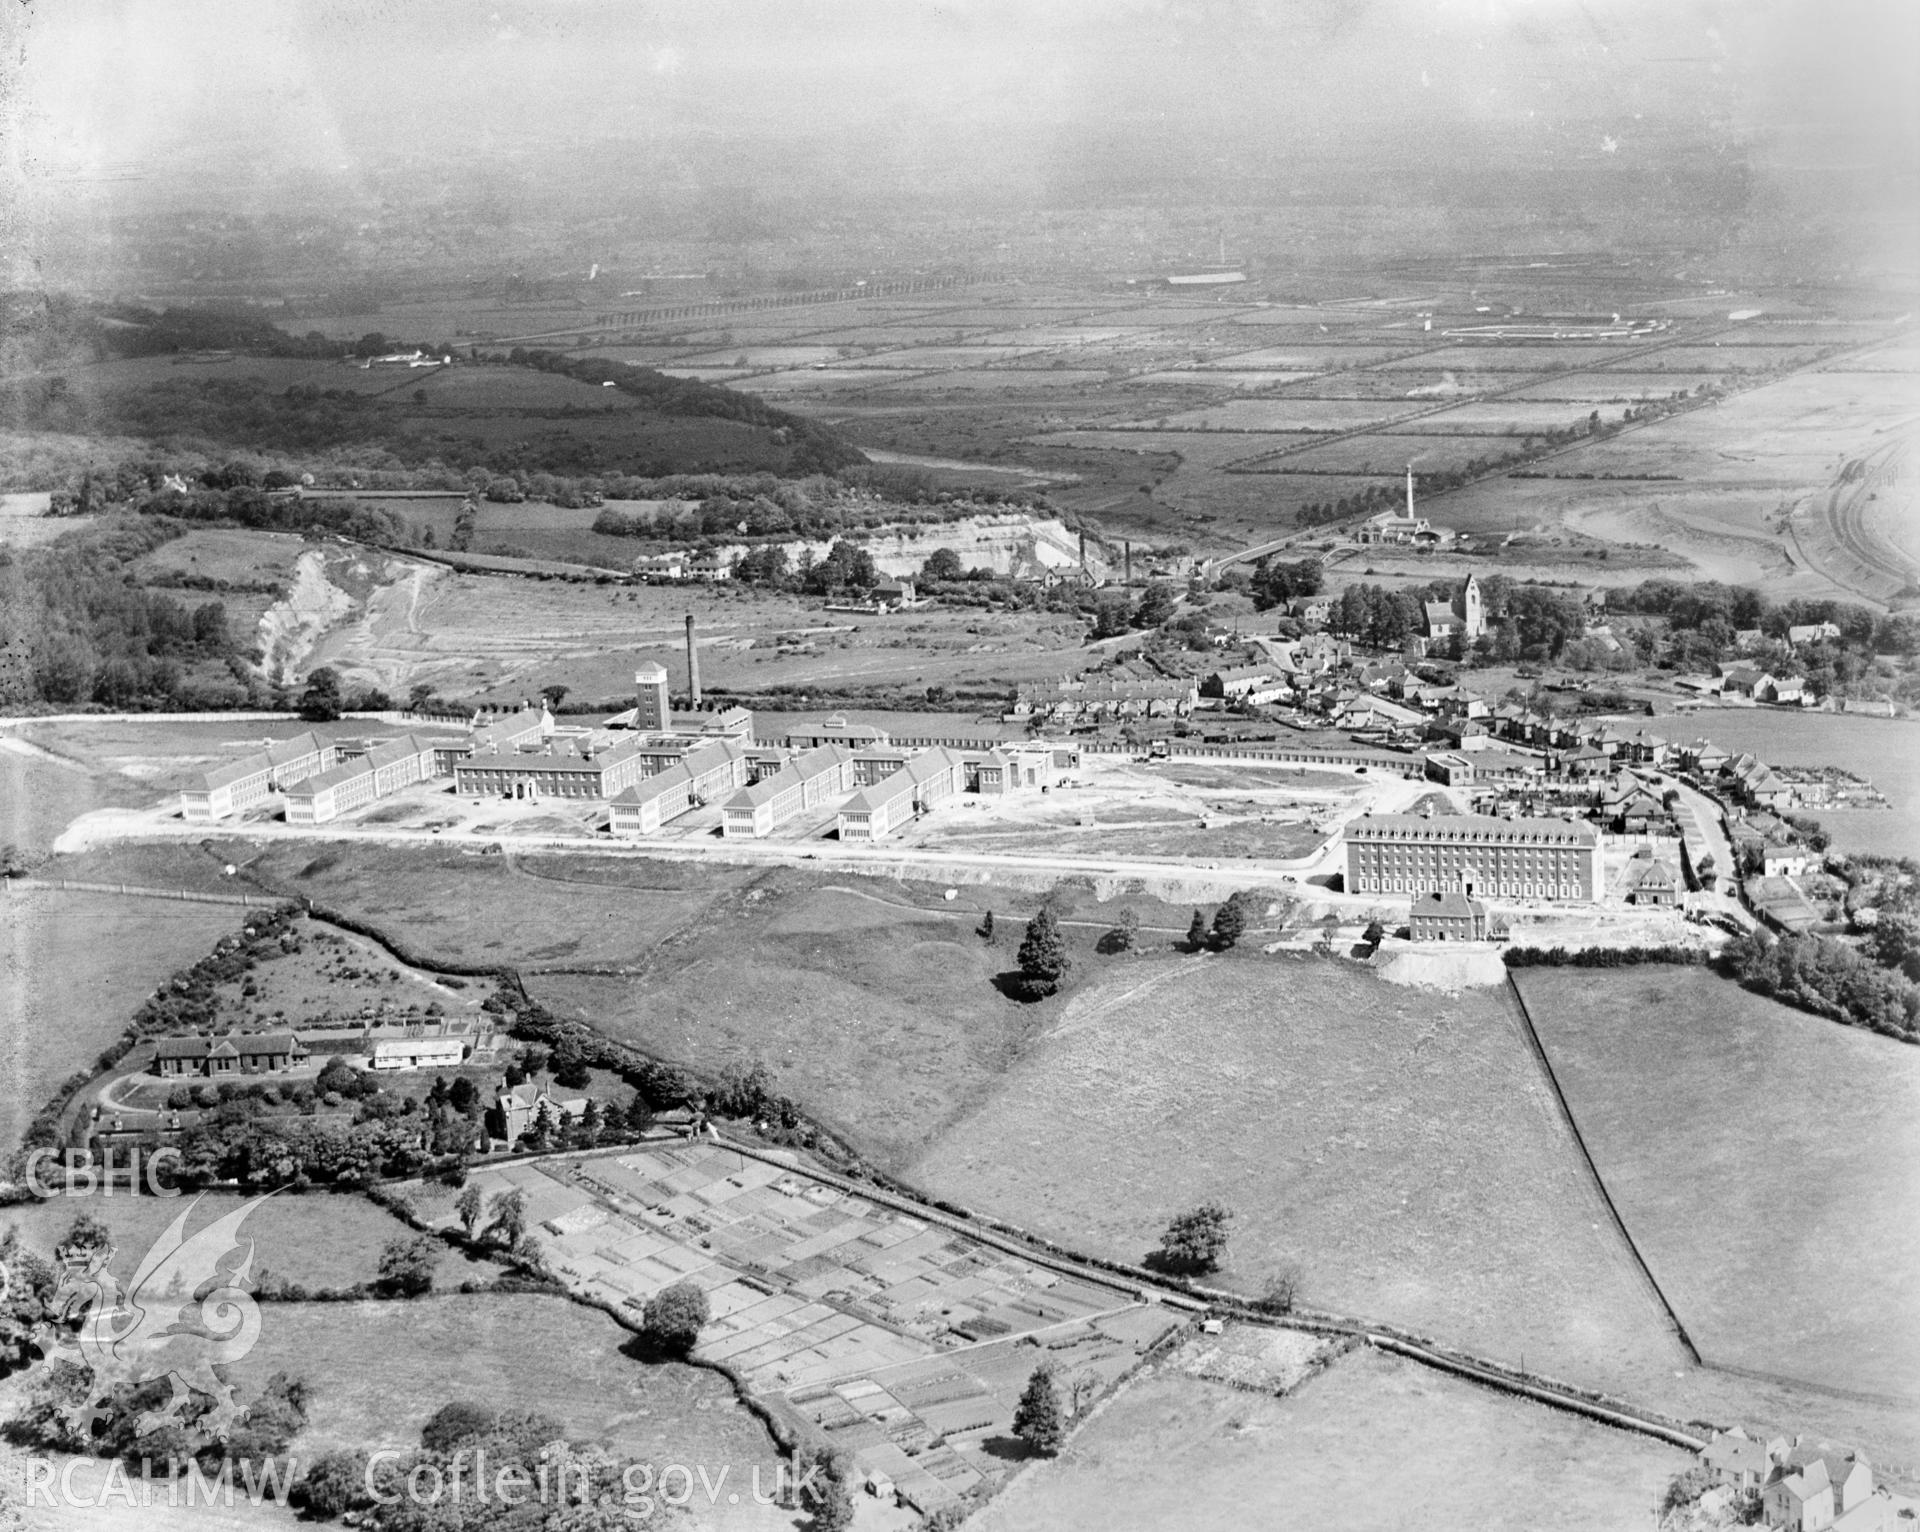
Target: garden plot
x: 1063, y: 335
x: 1173, y: 314
x: 848, y: 1308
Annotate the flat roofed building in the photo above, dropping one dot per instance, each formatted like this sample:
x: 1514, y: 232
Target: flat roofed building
x: 1475, y: 854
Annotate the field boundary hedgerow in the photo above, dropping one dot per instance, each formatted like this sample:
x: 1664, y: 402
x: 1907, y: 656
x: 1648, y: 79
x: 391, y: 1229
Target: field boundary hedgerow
x: 1534, y: 1045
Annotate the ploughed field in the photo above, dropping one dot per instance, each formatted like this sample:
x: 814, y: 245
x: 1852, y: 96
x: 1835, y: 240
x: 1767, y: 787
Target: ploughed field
x: 1763, y: 1159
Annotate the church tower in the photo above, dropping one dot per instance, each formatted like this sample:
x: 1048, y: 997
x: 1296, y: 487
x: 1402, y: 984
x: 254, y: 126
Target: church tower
x: 1473, y: 616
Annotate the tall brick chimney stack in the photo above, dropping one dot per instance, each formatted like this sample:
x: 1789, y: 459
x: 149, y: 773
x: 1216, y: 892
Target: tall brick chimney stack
x: 693, y: 667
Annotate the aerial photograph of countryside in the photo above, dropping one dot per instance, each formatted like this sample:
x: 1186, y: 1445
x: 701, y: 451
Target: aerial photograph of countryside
x: 900, y: 765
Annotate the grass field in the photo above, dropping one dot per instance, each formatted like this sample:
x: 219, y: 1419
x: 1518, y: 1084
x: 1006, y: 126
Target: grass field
x: 1399, y: 1144
x: 1767, y: 1162
x: 487, y: 909
x: 41, y: 794
x: 73, y: 969
x: 884, y: 1021
x: 316, y: 1240
x: 379, y: 1370
x: 1376, y: 1442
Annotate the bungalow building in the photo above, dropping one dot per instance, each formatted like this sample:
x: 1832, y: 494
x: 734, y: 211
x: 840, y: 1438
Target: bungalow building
x: 1447, y: 917
x: 385, y: 768
x: 238, y: 1053
x: 835, y: 730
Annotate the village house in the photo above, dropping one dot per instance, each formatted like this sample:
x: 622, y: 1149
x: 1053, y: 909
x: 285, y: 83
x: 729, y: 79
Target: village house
x: 1737, y: 1460
x: 1651, y: 882
x: 237, y: 1053
x: 1812, y: 633
x: 516, y: 1108
x: 1542, y: 858
x: 1311, y: 611
x: 1253, y: 684
x: 1447, y: 917
x: 1812, y: 1489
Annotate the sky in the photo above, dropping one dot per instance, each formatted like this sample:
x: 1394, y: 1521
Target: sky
x: 254, y: 94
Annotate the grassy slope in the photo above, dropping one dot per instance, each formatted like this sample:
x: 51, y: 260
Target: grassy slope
x: 1396, y: 1142
x: 73, y: 969
x: 1763, y: 1158
x: 315, y: 1240
x: 1377, y: 1442
x: 882, y: 1020
x: 380, y: 1369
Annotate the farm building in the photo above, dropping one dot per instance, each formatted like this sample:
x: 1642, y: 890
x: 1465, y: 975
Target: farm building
x: 1543, y: 858
x: 238, y: 1053
x: 385, y: 768
x: 1447, y: 917
x: 802, y: 783
x: 918, y: 787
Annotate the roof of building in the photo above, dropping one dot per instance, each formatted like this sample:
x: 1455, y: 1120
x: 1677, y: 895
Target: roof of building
x: 237, y: 771
x: 233, y: 1042
x: 660, y: 785
x: 280, y: 751
x: 1735, y: 1452
x: 1472, y: 827
x: 1449, y: 903
x: 1439, y: 612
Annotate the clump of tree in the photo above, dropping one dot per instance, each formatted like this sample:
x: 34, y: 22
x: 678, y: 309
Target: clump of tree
x: 1195, y: 1241
x: 1230, y: 921
x: 674, y: 1318
x: 1828, y: 978
x: 1275, y: 583
x: 407, y: 1266
x: 1039, y: 1420
x: 1043, y: 959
